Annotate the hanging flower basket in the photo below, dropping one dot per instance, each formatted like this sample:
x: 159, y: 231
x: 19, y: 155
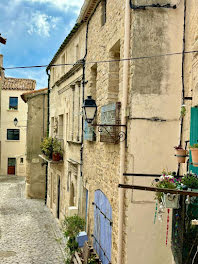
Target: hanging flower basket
x: 171, y: 200
x: 194, y: 154
x: 181, y: 154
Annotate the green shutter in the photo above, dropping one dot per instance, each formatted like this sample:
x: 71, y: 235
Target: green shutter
x: 193, y: 134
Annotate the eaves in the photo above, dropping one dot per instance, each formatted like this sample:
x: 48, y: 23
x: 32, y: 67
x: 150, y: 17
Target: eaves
x: 65, y: 42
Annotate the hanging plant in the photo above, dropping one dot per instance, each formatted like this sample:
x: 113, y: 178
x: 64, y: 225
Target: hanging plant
x: 183, y: 111
x: 181, y: 154
x: 168, y: 181
x: 194, y: 153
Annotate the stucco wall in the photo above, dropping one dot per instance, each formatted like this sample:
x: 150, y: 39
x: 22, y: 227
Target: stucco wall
x: 155, y: 91
x: 10, y: 148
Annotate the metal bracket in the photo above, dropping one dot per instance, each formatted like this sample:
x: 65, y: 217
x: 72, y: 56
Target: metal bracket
x: 122, y: 136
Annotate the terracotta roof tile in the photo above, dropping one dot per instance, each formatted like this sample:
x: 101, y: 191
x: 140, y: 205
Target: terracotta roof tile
x: 26, y: 96
x: 18, y: 84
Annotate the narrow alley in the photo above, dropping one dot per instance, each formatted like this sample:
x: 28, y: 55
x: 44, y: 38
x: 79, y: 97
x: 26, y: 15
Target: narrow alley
x: 28, y: 232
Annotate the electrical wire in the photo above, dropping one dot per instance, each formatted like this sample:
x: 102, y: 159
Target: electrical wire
x: 193, y: 261
x: 102, y: 61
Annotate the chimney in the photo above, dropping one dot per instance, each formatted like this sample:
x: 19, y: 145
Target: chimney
x: 1, y: 66
x: 1, y: 60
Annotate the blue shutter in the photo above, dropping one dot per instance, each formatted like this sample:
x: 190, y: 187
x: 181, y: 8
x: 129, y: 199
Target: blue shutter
x: 193, y: 134
x: 89, y: 133
x: 102, y: 227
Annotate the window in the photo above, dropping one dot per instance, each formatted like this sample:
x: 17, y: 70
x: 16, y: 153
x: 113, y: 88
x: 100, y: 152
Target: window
x: 21, y: 160
x: 13, y: 103
x: 13, y: 134
x: 104, y: 12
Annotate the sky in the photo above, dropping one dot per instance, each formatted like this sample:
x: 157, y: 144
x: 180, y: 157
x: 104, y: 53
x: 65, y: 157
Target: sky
x: 34, y: 30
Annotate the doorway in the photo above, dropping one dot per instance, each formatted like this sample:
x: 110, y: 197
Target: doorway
x: 11, y: 166
x: 58, y: 199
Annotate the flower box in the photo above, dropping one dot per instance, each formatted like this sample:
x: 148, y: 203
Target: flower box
x: 171, y: 200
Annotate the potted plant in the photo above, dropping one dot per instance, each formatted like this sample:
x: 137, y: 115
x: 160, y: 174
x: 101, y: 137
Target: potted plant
x: 57, y: 153
x: 71, y: 227
x: 168, y: 181
x: 180, y: 153
x: 46, y: 147
x: 194, y: 154
x: 190, y: 180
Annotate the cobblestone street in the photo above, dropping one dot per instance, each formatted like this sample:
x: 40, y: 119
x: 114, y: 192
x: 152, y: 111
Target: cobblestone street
x: 28, y: 232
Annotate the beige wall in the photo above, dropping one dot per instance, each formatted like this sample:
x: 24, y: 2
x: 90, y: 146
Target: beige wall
x: 10, y: 148
x: 66, y: 125
x: 36, y: 131
x: 155, y: 91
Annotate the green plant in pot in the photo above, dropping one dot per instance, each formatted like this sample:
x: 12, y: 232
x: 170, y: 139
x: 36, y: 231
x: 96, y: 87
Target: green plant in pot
x: 57, y: 150
x: 71, y: 226
x: 194, y: 154
x: 190, y: 180
x: 46, y: 147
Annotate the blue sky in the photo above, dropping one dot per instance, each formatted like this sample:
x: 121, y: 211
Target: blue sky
x: 34, y: 30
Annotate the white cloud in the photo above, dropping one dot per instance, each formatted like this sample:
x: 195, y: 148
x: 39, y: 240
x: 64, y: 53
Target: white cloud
x: 61, y: 4
x: 42, y: 24
x: 35, y: 74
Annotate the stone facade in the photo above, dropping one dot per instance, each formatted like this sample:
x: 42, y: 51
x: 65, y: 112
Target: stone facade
x: 155, y: 96
x: 13, y: 150
x: 36, y: 131
x: 64, y: 178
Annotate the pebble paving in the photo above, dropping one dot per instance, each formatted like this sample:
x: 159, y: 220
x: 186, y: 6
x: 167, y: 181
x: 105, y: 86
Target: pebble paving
x: 28, y: 232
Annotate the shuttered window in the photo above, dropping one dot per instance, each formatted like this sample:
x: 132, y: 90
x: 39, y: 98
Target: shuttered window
x: 193, y: 134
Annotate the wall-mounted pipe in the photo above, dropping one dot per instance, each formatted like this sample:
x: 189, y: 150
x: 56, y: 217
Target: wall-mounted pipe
x: 124, y: 122
x: 48, y: 123
x: 183, y: 80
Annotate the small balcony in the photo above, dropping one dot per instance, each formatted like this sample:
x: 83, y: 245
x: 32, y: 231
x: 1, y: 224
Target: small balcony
x: 52, y: 150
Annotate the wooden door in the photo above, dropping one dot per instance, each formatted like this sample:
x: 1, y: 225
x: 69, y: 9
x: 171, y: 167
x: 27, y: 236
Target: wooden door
x: 11, y: 166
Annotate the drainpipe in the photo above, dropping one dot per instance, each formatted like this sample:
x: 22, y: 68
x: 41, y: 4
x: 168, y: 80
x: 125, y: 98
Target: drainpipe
x: 124, y: 122
x: 183, y: 80
x: 48, y: 115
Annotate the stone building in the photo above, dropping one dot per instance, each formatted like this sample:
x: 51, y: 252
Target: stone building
x: 139, y: 75
x: 64, y: 177
x: 14, y: 125
x: 37, y: 102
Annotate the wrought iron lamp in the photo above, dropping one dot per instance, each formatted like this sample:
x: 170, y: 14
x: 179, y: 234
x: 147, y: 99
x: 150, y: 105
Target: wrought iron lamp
x: 90, y: 109
x: 15, y: 121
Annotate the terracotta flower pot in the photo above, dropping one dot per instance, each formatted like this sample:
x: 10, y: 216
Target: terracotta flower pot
x: 194, y: 153
x: 56, y: 156
x: 181, y: 155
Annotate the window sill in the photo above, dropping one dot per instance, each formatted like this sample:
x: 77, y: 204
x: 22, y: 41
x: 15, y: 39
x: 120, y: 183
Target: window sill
x: 12, y: 110
x: 12, y: 140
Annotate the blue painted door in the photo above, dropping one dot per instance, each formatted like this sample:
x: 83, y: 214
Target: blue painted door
x: 102, y: 227
x: 193, y: 134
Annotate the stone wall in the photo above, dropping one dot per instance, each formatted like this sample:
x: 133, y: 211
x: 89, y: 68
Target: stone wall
x: 36, y: 131
x: 101, y: 159
x: 66, y: 125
